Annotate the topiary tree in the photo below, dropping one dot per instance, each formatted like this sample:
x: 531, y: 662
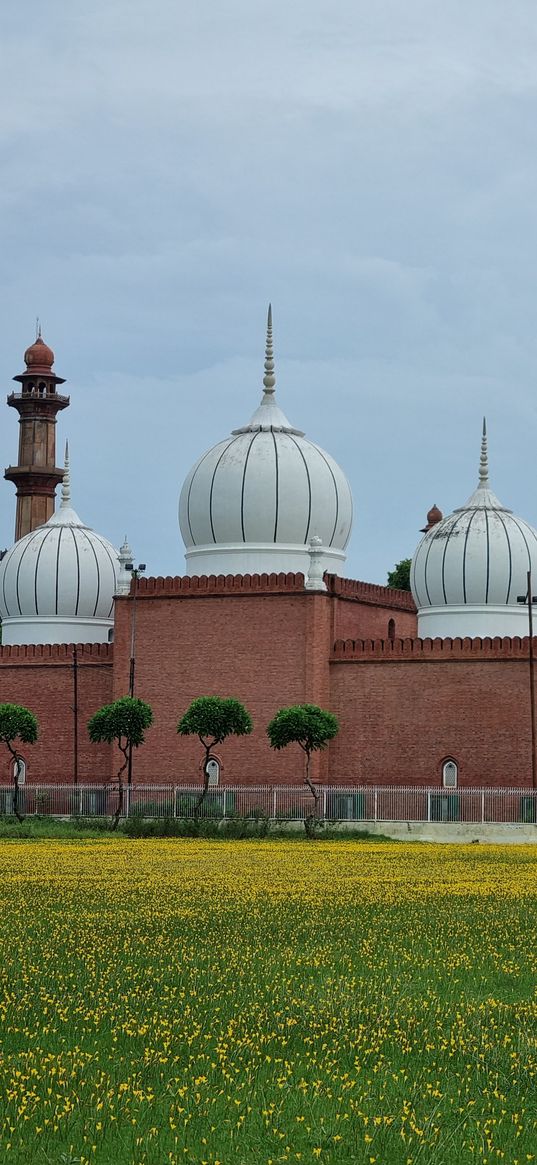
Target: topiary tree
x: 125, y: 721
x: 311, y: 728
x: 17, y: 723
x: 399, y: 577
x: 212, y: 719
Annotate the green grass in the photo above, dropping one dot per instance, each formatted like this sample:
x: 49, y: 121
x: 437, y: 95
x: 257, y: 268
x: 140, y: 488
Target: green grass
x: 50, y: 827
x: 233, y: 829
x: 259, y: 1002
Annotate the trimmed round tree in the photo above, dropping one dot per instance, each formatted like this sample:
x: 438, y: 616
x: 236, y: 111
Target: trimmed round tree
x: 124, y: 722
x: 311, y: 728
x: 17, y: 723
x: 212, y: 719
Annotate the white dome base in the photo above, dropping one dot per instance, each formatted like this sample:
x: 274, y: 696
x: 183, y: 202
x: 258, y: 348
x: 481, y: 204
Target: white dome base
x: 54, y: 629
x: 258, y: 558
x: 473, y: 621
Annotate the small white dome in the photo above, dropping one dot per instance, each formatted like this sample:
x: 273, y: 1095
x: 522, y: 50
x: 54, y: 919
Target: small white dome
x: 470, y: 568
x: 253, y: 502
x: 57, y: 584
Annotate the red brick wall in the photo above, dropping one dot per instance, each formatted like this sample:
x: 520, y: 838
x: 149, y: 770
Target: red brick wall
x: 41, y: 678
x: 268, y: 649
x: 355, y: 620
x: 404, y: 706
x: 401, y: 717
x: 364, y: 611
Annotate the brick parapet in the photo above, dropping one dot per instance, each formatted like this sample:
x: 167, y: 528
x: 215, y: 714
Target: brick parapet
x: 370, y: 593
x: 186, y: 586
x: 421, y: 650
x: 243, y: 584
x: 45, y: 654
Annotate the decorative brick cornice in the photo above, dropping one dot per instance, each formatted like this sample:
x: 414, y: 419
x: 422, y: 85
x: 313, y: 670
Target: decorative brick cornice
x: 56, y: 653
x: 370, y: 593
x: 242, y: 584
x: 221, y: 584
x: 421, y: 650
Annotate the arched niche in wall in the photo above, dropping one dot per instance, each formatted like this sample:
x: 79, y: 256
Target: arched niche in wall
x: 450, y: 773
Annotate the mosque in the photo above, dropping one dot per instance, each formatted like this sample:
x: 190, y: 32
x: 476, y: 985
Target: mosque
x: 431, y: 688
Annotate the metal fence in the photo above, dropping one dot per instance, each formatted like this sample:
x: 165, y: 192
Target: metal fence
x: 364, y: 803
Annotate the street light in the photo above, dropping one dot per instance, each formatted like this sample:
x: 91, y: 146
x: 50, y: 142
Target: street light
x: 530, y: 599
x: 75, y: 715
x: 135, y: 572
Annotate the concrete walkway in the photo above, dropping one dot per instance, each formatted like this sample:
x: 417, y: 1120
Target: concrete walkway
x: 514, y: 833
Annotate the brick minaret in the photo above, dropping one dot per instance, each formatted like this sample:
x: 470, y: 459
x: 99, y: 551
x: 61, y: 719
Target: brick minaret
x: 36, y: 475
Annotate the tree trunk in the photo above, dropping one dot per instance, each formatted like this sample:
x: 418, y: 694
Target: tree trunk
x: 119, y: 810
x: 312, y: 819
x: 16, y: 775
x: 203, y: 794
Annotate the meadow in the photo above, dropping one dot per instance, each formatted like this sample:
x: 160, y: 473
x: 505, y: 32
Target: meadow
x: 250, y: 1003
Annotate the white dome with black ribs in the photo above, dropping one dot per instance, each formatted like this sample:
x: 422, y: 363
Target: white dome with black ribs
x: 57, y: 584
x: 471, y: 567
x: 253, y: 502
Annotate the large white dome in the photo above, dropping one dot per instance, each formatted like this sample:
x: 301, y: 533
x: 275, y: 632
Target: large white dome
x: 253, y: 502
x: 57, y: 584
x: 470, y: 568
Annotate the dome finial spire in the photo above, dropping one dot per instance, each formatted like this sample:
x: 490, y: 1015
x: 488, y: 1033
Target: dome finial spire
x: 484, y: 458
x: 268, y: 414
x: 269, y: 379
x: 66, y: 483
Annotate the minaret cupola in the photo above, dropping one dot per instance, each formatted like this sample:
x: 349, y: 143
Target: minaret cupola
x: 36, y: 474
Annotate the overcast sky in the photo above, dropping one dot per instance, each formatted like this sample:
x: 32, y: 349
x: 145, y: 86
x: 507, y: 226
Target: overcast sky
x: 168, y: 166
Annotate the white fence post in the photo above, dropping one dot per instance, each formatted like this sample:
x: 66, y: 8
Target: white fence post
x: 376, y: 810
x: 274, y: 804
x: 224, y: 803
x: 483, y: 805
x: 428, y: 804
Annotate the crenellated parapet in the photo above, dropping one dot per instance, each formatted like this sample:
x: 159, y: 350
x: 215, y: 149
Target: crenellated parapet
x: 371, y: 593
x: 421, y: 650
x: 56, y: 653
x: 221, y: 584
x: 275, y: 583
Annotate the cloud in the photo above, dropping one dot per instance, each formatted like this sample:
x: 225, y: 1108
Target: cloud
x: 168, y: 168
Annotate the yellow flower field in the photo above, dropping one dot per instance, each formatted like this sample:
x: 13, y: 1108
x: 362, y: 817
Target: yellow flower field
x: 250, y: 1003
